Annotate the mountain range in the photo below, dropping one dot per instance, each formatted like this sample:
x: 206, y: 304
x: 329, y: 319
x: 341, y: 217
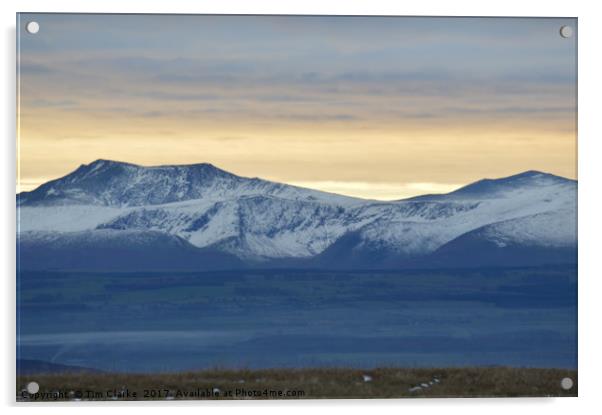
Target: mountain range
x: 109, y: 215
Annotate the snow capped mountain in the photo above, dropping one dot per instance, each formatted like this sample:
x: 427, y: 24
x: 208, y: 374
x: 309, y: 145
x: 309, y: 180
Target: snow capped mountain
x: 118, y: 184
x: 269, y: 223
x: 543, y: 238
x: 504, y: 187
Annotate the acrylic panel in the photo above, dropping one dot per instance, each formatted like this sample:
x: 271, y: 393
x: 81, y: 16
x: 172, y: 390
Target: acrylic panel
x: 295, y: 207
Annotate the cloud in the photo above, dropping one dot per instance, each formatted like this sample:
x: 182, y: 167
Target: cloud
x: 409, y: 99
x: 30, y: 68
x: 178, y: 96
x: 64, y: 103
x: 318, y: 117
x: 152, y: 114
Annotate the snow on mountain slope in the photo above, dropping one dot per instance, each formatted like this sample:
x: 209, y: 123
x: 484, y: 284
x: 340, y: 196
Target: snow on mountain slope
x: 269, y: 227
x: 251, y: 226
x: 531, y: 203
x: 504, y: 187
x: 111, y: 183
x: 260, y: 220
x: 544, y: 238
x: 65, y: 218
x: 549, y: 229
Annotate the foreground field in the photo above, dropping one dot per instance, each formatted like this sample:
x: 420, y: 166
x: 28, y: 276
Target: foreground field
x: 302, y: 384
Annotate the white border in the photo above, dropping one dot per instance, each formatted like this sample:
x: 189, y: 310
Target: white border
x: 590, y: 183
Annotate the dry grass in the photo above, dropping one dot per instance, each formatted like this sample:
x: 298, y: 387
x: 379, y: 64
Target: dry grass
x: 314, y: 383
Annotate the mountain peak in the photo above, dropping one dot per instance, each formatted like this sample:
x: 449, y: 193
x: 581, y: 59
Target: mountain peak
x: 532, y: 174
x: 106, y: 162
x: 104, y: 167
x: 117, y: 183
x: 486, y: 188
x: 527, y: 175
x: 101, y: 164
x: 527, y: 178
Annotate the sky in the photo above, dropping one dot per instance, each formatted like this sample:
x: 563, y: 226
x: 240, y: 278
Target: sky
x: 374, y: 107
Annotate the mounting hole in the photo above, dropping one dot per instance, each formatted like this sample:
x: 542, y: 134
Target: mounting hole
x: 33, y: 387
x: 33, y: 27
x: 566, y: 383
x: 566, y: 32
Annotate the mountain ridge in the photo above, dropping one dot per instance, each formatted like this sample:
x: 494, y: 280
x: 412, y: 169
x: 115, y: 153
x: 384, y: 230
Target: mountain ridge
x: 90, y: 182
x: 100, y: 163
x: 261, y: 222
